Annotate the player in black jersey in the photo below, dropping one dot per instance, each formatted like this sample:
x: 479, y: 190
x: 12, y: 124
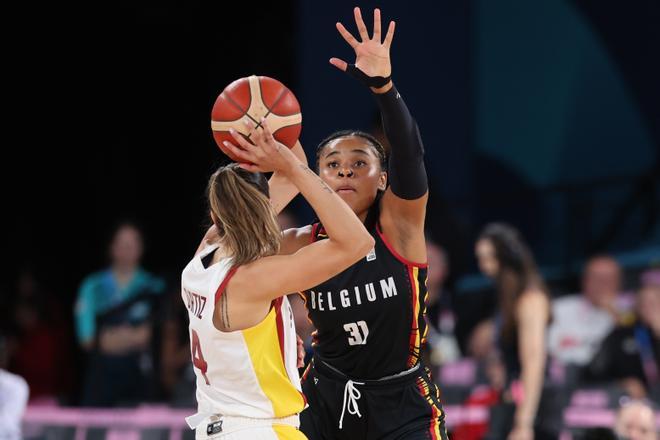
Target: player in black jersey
x: 365, y: 380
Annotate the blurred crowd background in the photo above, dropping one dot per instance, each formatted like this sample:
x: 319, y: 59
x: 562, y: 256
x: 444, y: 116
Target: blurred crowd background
x: 544, y: 115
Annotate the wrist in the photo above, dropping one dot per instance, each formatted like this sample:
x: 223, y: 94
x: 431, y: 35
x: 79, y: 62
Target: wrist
x: 380, y: 90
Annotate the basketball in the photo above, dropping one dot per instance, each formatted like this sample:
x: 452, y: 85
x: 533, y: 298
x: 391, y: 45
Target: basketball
x: 251, y: 99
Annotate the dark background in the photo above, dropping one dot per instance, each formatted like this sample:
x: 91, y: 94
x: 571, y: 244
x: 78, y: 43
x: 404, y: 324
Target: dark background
x: 544, y: 114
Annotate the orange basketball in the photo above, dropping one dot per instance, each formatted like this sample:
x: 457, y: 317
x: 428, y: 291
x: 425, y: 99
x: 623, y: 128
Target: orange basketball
x: 251, y: 99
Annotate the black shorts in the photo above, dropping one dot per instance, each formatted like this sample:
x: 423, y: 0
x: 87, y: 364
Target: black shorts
x: 406, y: 407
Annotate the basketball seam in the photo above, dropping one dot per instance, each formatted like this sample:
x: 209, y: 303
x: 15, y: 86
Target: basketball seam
x: 245, y: 112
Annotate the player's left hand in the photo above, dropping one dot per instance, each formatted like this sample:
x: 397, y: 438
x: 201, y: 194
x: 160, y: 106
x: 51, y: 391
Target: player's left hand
x: 372, y: 56
x: 301, y: 352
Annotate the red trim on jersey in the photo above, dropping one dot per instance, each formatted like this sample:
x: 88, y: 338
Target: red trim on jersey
x: 305, y: 373
x: 223, y: 285
x: 315, y: 226
x: 280, y: 326
x: 396, y: 254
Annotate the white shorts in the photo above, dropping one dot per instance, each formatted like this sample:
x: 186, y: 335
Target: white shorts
x: 243, y: 428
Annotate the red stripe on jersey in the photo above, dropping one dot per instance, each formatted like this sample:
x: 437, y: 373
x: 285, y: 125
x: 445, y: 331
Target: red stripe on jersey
x: 280, y: 326
x: 396, y: 254
x: 223, y: 285
x: 315, y: 226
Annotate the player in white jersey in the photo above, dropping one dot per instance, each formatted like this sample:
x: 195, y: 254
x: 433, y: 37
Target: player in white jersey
x: 242, y: 334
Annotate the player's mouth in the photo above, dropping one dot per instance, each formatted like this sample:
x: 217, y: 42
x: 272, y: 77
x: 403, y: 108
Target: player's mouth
x: 345, y: 189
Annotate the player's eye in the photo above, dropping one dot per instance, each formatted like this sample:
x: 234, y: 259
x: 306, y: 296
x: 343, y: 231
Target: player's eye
x: 332, y: 164
x: 360, y: 163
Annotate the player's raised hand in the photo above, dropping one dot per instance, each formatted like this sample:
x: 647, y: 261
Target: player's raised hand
x: 372, y: 54
x: 265, y: 154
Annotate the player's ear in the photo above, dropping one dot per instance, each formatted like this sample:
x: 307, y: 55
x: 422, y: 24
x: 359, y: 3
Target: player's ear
x: 382, y: 181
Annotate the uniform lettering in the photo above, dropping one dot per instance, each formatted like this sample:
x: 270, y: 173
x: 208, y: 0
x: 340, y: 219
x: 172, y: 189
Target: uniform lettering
x: 320, y: 301
x: 324, y: 301
x: 195, y: 303
x: 357, y: 295
x: 343, y: 296
x: 388, y: 287
x: 371, y: 292
x: 330, y: 306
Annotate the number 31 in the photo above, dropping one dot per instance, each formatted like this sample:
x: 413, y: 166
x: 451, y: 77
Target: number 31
x: 358, y: 332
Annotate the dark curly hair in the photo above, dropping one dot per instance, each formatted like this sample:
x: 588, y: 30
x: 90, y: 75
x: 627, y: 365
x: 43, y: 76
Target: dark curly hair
x: 371, y: 140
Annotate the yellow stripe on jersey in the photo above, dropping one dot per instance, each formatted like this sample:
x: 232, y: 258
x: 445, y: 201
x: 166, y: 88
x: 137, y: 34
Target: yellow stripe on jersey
x: 263, y: 344
x: 414, y: 337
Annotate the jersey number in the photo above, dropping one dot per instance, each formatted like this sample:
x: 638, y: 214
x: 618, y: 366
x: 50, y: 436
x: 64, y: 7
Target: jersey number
x: 358, y: 332
x: 198, y: 357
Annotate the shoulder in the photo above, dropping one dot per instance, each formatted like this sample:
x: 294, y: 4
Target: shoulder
x: 153, y: 282
x: 93, y: 280
x: 16, y: 384
x: 533, y: 299
x: 295, y: 238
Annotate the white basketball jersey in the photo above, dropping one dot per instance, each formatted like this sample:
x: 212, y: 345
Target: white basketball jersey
x: 246, y: 373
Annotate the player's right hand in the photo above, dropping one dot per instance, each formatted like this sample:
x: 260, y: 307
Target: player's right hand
x: 265, y: 154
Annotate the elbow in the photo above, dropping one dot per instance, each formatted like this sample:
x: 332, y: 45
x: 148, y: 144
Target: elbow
x: 365, y: 245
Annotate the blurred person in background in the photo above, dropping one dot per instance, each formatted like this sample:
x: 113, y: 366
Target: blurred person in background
x: 582, y: 321
x: 442, y: 344
x: 522, y: 319
x: 41, y: 352
x: 177, y: 377
x: 14, y: 393
x: 113, y: 324
x: 635, y: 420
x: 631, y: 354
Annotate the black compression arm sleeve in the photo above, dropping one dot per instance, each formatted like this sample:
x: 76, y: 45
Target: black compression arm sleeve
x: 406, y: 171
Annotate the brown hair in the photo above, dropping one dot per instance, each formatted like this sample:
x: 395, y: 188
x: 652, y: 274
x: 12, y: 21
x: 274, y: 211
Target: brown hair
x: 517, y: 271
x: 246, y: 221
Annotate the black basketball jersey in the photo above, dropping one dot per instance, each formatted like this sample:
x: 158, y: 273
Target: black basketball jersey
x: 370, y: 318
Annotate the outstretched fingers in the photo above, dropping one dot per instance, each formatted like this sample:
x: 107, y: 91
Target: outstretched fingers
x: 362, y: 28
x: 350, y: 39
x: 390, y: 34
x: 376, y: 35
x: 237, y: 152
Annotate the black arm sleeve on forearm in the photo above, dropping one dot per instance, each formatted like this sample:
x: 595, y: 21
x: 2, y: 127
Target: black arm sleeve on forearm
x: 406, y: 171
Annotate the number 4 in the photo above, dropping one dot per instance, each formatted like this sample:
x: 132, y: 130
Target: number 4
x: 358, y: 332
x: 198, y: 357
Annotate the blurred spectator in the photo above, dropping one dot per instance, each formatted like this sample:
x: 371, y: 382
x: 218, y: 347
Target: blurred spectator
x: 650, y: 277
x: 439, y: 312
x: 14, y: 393
x: 41, y: 353
x: 523, y: 315
x: 113, y: 315
x: 177, y: 377
x: 631, y: 354
x: 636, y: 421
x: 304, y: 327
x: 581, y: 322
